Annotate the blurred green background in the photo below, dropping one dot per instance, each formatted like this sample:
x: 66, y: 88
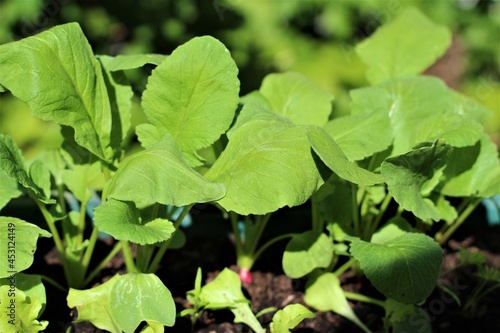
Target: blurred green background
x: 316, y: 38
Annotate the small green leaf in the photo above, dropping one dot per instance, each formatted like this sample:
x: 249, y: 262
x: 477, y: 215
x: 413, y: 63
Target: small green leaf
x: 353, y: 134
x: 79, y: 179
x: 132, y: 61
x: 193, y: 94
x: 22, y: 237
x: 407, y: 175
x: 326, y: 294
x: 94, y: 305
x: 40, y: 175
x: 265, y: 166
x: 305, y: 252
x: 286, y: 319
x: 295, y: 97
x: 123, y: 221
x: 404, y: 268
x: 403, y: 47
x: 396, y: 311
x: 12, y: 163
x: 473, y: 171
x: 160, y: 174
x: 394, y: 228
x: 417, y: 320
x: 19, y: 312
x: 31, y: 285
x: 224, y: 292
x: 330, y: 153
x: 8, y: 190
x: 141, y: 297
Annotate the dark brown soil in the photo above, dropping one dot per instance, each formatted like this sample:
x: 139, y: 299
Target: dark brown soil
x: 273, y: 289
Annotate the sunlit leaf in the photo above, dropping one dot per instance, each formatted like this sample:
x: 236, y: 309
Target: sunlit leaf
x: 8, y: 190
x: 404, y: 268
x: 403, y: 47
x: 286, y: 319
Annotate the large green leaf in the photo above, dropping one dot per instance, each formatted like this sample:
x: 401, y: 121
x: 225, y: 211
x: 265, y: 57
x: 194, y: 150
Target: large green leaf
x: 295, y: 97
x: 12, y: 163
x: 404, y: 47
x: 62, y: 81
x: 305, y: 252
x: 17, y: 244
x: 19, y: 312
x: 326, y: 294
x: 141, y: 297
x: 94, y: 305
x: 160, y: 174
x: 360, y: 136
x: 123, y: 221
x: 421, y: 109
x: 192, y: 95
x: 8, y: 190
x: 286, y: 319
x: 473, y: 171
x: 411, y: 176
x: 266, y: 165
x: 404, y: 268
x: 330, y: 153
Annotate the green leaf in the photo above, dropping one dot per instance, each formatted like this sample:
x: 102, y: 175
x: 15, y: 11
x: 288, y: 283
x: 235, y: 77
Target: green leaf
x: 420, y: 109
x: 8, y: 190
x: 326, y: 294
x: 305, y: 252
x: 418, y: 320
x: 295, y: 97
x: 79, y: 179
x: 123, y: 221
x: 330, y: 153
x: 40, y: 175
x: 404, y: 268
x: 394, y: 228
x: 62, y: 81
x: 404, y: 47
x: 160, y: 174
x: 265, y: 166
x: 12, y: 163
x: 141, y: 297
x: 21, y: 236
x: 473, y: 171
x: 94, y: 305
x: 19, y: 312
x: 224, y: 292
x: 192, y: 95
x: 408, y: 175
x: 31, y: 285
x: 286, y: 319
x: 353, y: 134
x: 124, y: 62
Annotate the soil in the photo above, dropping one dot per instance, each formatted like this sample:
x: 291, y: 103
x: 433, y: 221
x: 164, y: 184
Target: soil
x: 209, y: 248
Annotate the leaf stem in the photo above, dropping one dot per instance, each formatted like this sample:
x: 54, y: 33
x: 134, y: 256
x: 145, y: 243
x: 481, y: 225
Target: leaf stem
x: 164, y: 246
x: 53, y: 283
x: 103, y: 263
x: 254, y: 238
x: 81, y: 223
x: 90, y: 249
x: 447, y: 230
x: 363, y: 298
x: 128, y: 257
x: 344, y: 267
x: 383, y: 207
x: 355, y: 214
x: 270, y: 242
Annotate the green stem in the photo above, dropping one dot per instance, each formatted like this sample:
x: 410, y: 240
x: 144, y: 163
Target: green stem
x: 344, y: 267
x: 104, y: 262
x: 383, y: 207
x: 317, y: 222
x: 253, y: 239
x: 81, y: 223
x: 363, y: 298
x: 447, y: 230
x: 164, y: 246
x: 128, y: 257
x: 236, y: 232
x: 54, y: 283
x: 90, y: 249
x: 270, y: 242
x: 355, y: 214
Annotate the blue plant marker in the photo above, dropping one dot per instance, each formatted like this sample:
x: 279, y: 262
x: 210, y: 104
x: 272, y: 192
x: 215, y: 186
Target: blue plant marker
x: 186, y: 222
x: 94, y: 201
x: 492, y: 206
